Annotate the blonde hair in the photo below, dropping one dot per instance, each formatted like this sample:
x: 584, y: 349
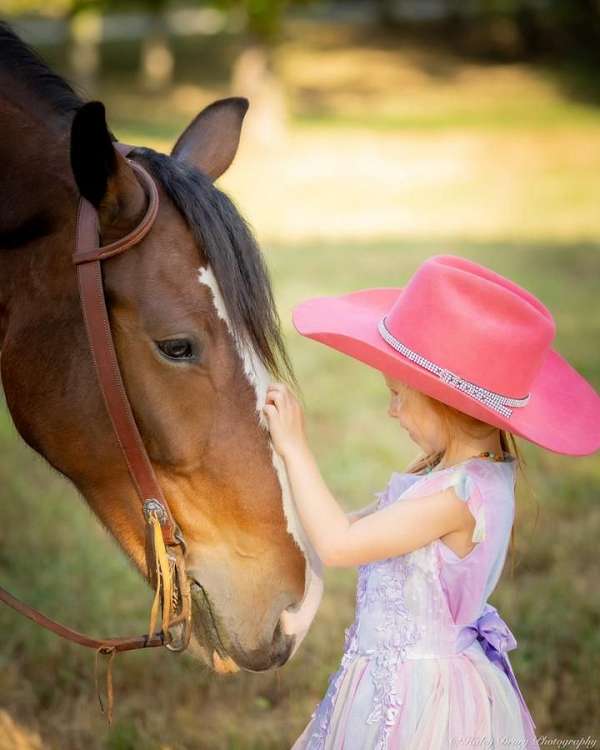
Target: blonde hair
x: 454, y: 422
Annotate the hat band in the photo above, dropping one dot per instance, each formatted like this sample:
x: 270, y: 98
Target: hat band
x: 494, y: 400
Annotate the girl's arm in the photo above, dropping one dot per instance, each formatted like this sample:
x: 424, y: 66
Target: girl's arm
x: 394, y: 530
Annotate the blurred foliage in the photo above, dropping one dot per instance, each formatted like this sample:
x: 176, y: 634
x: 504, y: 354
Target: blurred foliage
x: 263, y: 17
x: 517, y: 28
x: 53, y: 8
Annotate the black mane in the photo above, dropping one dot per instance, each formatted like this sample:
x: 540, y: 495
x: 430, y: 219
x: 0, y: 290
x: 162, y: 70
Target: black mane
x: 213, y: 219
x: 232, y: 252
x: 25, y: 65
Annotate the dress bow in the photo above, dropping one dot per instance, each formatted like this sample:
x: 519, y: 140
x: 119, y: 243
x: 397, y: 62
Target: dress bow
x: 496, y: 639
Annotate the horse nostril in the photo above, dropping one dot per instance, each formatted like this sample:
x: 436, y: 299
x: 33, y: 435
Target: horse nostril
x: 282, y: 645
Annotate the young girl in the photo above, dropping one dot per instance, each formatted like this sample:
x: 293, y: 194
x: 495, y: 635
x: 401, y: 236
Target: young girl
x: 466, y: 356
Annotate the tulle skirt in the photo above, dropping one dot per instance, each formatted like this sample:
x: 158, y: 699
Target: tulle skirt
x: 445, y: 703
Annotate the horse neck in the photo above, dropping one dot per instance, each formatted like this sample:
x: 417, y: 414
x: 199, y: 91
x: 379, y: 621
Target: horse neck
x: 37, y: 207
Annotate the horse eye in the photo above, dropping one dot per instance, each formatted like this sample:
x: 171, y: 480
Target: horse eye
x: 177, y: 348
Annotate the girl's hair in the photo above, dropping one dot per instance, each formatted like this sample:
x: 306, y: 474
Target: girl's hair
x: 455, y: 422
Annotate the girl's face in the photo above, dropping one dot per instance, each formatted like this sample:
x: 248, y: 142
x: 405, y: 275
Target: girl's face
x: 415, y: 415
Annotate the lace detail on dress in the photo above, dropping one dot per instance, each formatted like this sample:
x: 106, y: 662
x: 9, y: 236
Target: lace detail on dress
x: 380, y: 597
x: 324, y: 709
x: 386, y: 599
x: 398, y: 630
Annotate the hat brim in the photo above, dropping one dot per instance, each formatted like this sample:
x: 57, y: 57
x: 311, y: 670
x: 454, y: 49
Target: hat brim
x: 563, y: 412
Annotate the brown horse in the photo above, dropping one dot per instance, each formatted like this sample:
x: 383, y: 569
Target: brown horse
x: 197, y: 338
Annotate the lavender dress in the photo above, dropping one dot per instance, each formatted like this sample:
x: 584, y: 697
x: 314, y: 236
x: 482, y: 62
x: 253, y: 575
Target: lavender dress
x: 425, y: 664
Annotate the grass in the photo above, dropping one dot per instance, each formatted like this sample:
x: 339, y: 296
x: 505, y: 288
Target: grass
x: 425, y: 154
x: 61, y: 561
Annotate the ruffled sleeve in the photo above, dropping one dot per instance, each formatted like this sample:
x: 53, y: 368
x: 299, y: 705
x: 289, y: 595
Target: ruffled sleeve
x: 471, y: 485
x: 467, y: 489
x: 468, y: 581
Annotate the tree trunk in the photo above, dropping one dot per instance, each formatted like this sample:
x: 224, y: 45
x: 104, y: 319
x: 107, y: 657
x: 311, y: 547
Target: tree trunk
x: 253, y: 76
x: 157, y: 62
x: 85, y: 33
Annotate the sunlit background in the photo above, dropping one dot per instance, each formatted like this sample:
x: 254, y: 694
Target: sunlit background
x: 379, y: 133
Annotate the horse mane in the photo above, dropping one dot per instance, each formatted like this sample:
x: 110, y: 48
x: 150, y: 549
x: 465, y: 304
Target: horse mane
x: 232, y: 253
x: 214, y: 221
x: 24, y: 64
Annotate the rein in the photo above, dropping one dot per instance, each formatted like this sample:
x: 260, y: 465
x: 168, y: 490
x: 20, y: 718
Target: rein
x: 164, y: 543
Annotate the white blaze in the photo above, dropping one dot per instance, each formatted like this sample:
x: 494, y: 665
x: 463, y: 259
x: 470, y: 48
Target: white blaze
x: 293, y: 622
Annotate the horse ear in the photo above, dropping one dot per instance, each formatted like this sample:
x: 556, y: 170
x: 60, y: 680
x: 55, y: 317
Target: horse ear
x: 211, y: 140
x: 102, y: 174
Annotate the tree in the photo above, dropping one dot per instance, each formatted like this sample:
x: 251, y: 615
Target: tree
x: 254, y: 74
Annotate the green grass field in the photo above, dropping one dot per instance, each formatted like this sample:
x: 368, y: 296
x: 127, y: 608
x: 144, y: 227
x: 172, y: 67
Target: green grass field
x: 55, y: 555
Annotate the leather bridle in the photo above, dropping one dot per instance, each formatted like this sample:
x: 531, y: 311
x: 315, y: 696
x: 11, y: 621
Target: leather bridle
x: 164, y: 542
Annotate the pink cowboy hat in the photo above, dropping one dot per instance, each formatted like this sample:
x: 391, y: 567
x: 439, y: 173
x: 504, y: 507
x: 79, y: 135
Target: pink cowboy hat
x: 471, y: 338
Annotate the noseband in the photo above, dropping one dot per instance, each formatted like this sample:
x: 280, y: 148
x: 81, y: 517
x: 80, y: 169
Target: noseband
x: 164, y: 545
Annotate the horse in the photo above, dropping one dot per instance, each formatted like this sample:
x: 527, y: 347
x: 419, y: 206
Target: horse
x: 198, y: 339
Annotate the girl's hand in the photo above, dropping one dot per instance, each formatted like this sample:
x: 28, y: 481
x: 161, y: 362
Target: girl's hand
x: 285, y: 417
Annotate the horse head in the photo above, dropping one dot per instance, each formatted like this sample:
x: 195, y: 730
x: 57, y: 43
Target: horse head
x: 197, y: 338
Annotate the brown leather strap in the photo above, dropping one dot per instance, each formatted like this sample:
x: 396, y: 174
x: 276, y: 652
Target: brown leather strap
x: 86, y: 249
x: 88, y: 256
x: 120, y: 644
x: 89, y: 275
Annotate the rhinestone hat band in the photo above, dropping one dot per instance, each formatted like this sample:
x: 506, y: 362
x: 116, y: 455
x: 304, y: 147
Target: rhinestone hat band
x: 494, y: 400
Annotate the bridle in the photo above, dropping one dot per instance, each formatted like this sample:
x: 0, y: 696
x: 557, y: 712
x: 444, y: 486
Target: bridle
x: 164, y: 542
